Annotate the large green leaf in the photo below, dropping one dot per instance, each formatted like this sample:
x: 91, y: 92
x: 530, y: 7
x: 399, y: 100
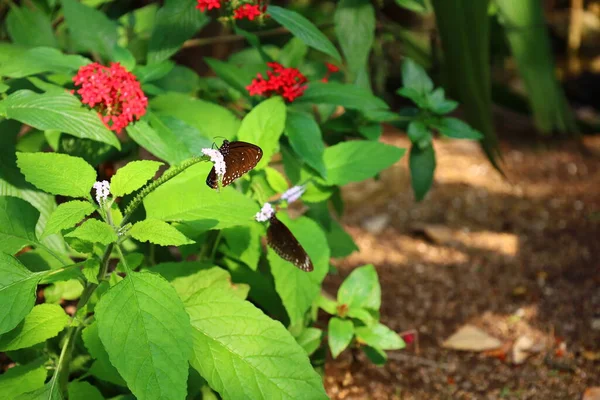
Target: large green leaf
x: 30, y: 27
x: 18, y: 219
x: 380, y: 336
x: 237, y: 77
x: 158, y: 232
x: 68, y: 215
x: 243, y: 354
x: 17, y: 291
x: 187, y: 198
x: 263, y: 126
x: 90, y: 29
x: 43, y: 322
x: 58, y: 173
x: 355, y: 30
x: 361, y: 289
x: 210, y: 119
x: 306, y: 139
x: 349, y: 96
x: 133, y: 176
x: 298, y: 289
x: 22, y: 379
x: 422, y: 167
x: 94, y: 231
x: 304, y: 30
x: 358, y: 160
x: 57, y: 111
x: 40, y: 59
x: 147, y: 334
x: 176, y: 21
x: 339, y: 335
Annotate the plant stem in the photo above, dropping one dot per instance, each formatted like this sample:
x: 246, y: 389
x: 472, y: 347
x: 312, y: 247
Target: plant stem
x: 50, y: 251
x: 122, y: 257
x: 215, y: 245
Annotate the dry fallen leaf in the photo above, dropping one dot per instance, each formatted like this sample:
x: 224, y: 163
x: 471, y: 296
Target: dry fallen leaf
x: 592, y: 393
x: 520, y: 350
x: 471, y: 338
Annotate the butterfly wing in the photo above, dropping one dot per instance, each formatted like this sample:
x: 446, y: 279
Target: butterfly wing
x: 240, y: 157
x: 285, y: 244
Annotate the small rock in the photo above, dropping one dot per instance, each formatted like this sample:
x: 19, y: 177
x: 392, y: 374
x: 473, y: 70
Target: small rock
x: 520, y: 350
x: 377, y: 223
x: 592, y: 393
x: 471, y: 338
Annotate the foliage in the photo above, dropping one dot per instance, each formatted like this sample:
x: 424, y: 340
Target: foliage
x: 169, y: 289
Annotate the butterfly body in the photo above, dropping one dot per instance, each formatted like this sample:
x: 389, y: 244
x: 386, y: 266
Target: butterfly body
x: 285, y: 244
x: 239, y: 157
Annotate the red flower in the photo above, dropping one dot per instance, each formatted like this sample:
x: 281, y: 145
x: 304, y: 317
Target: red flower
x: 287, y: 82
x: 331, y: 67
x: 113, y: 91
x: 249, y: 11
x: 203, y: 5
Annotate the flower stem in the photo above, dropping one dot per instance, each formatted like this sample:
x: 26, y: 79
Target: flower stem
x: 169, y: 174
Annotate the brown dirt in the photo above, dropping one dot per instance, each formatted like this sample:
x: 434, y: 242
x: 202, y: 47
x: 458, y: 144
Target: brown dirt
x: 512, y: 257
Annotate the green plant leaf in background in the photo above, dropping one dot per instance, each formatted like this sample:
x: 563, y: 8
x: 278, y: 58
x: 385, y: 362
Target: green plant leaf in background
x: 380, y: 336
x: 132, y: 176
x: 236, y: 77
x: 94, y: 231
x: 18, y: 219
x: 304, y: 30
x: 101, y: 367
x: 50, y: 391
x: 419, y: 134
x: 415, y: 80
x: 67, y: 215
x: 58, y: 173
x: 23, y: 378
x: 355, y: 30
x: 422, y: 167
x: 414, y: 5
x: 298, y: 289
x: 243, y: 354
x: 263, y: 126
x: 176, y: 22
x: 349, y: 96
x: 43, y: 322
x: 358, y: 160
x: 310, y: 339
x: 456, y: 129
x: 306, y: 139
x: 41, y: 59
x: 243, y: 243
x: 90, y: 29
x: 143, y: 316
x: 361, y: 289
x: 30, y: 27
x: 158, y: 232
x: 58, y: 111
x: 188, y: 286
x: 340, y: 333
x: 17, y: 291
x: 81, y: 390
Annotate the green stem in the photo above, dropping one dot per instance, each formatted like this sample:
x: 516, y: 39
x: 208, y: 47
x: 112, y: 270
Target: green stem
x: 215, y: 245
x: 171, y: 173
x: 122, y: 257
x: 61, y: 373
x: 51, y: 252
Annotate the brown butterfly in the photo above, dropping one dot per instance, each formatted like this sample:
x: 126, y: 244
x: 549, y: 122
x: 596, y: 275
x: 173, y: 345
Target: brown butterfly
x: 285, y: 244
x: 239, y: 157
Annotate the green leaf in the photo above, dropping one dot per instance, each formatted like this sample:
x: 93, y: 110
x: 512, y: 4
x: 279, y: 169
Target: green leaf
x: 306, y: 139
x: 298, y: 289
x: 102, y: 368
x: 176, y: 21
x: 236, y: 77
x: 57, y: 173
x: 90, y: 270
x: 124, y: 57
x: 43, y: 322
x: 50, y: 391
x: 377, y: 356
x: 188, y: 286
x: 371, y: 131
x: 243, y: 354
x: 94, y: 231
x: 415, y: 78
x: 132, y: 176
x: 67, y: 215
x: 362, y: 315
x: 142, y: 315
x: 30, y: 27
x: 304, y: 30
x: 17, y: 291
x: 419, y: 134
x: 340, y: 94
x: 380, y: 336
x: 456, y: 129
x: 413, y: 5
x: 355, y: 30
x: 310, y: 339
x: 276, y: 180
x: 361, y: 289
x: 17, y: 224
x: 358, y: 160
x: 158, y: 232
x: 437, y: 102
x: 81, y: 390
x: 340, y: 242
x: 64, y: 290
x: 59, y: 111
x: 422, y: 167
x: 339, y: 335
x: 89, y: 29
x: 210, y: 119
x: 152, y: 72
x: 244, y: 243
x: 293, y: 53
x: 41, y: 59
x: 263, y: 126
x: 22, y: 379
x: 187, y: 199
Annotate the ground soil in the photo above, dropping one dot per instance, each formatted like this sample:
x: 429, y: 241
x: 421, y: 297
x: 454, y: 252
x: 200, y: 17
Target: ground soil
x: 515, y: 256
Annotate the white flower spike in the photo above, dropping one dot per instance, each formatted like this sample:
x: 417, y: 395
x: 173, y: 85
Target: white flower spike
x: 265, y: 213
x: 217, y: 158
x: 293, y: 194
x: 102, y: 191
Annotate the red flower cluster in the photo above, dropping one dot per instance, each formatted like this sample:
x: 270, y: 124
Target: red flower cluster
x: 287, y: 82
x: 249, y: 9
x: 113, y: 91
x: 331, y: 68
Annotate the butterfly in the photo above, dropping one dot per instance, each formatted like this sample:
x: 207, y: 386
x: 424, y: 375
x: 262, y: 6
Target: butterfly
x: 239, y: 157
x: 285, y: 244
